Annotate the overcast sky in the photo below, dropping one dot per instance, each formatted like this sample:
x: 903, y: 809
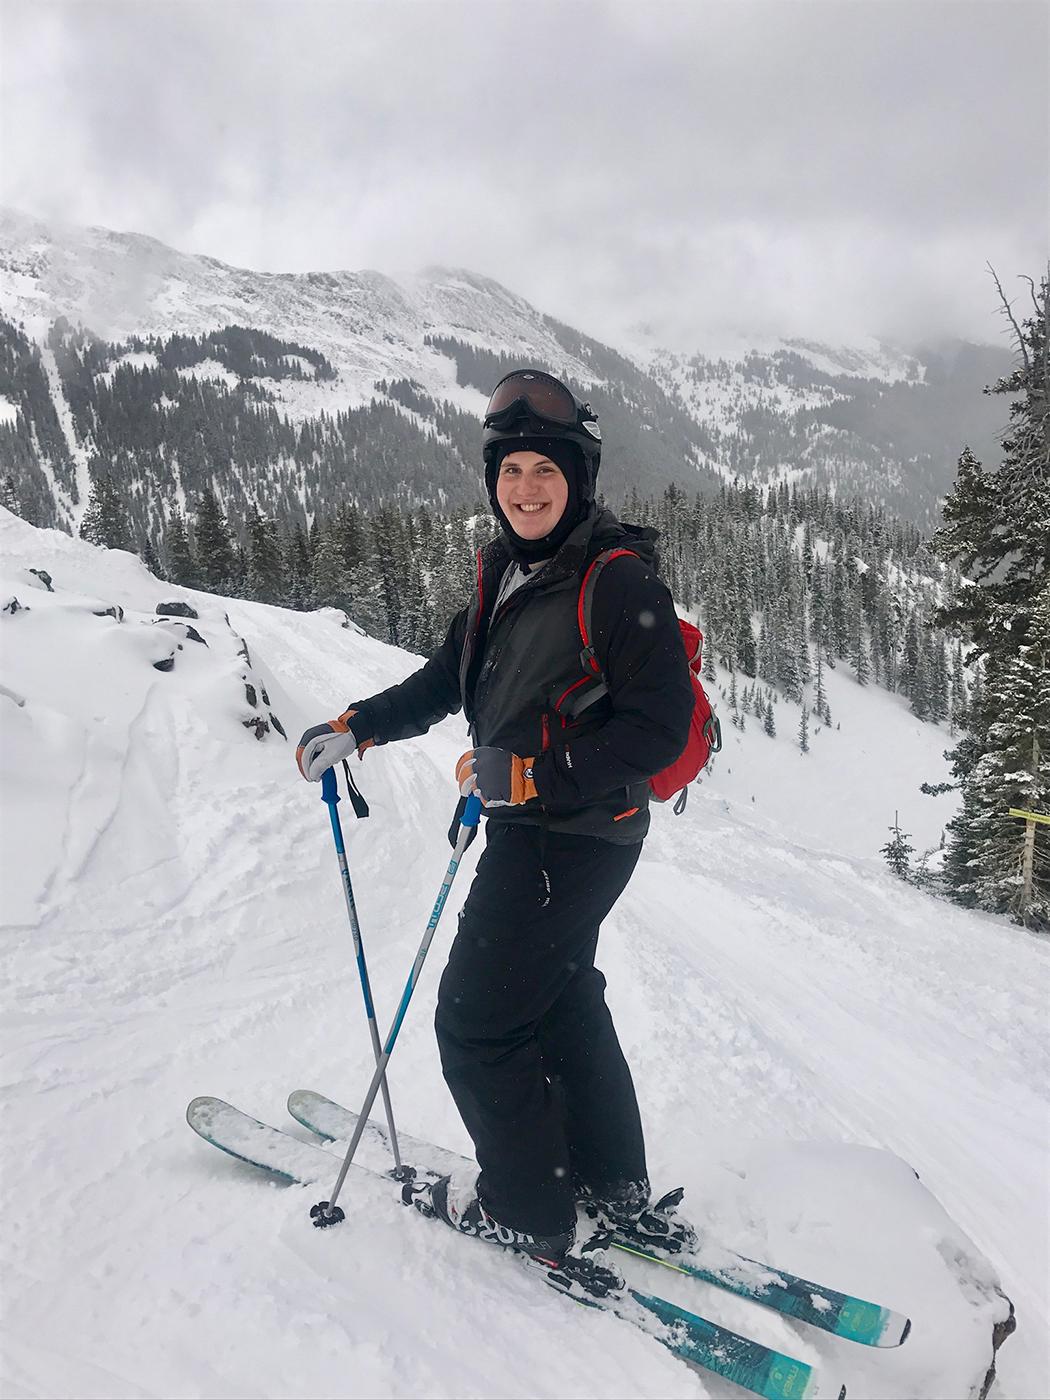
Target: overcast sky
x: 825, y: 168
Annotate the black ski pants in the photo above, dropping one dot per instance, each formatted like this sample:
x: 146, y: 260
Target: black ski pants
x: 527, y: 1044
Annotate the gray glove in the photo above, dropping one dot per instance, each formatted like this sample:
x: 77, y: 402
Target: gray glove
x: 326, y: 744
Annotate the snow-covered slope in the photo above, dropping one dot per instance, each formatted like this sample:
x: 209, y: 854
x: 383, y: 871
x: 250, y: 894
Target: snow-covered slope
x: 174, y: 926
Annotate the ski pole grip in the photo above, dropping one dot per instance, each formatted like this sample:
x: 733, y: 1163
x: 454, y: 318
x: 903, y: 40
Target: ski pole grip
x: 472, y: 811
x: 329, y: 787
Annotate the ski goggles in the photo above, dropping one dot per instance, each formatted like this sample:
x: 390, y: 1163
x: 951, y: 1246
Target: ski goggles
x: 538, y: 393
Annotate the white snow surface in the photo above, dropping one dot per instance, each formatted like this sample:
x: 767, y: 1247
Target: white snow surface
x: 210, y: 369
x: 804, y: 1031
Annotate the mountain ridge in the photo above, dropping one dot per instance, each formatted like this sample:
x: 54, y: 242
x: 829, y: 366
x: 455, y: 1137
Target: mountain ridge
x: 798, y: 410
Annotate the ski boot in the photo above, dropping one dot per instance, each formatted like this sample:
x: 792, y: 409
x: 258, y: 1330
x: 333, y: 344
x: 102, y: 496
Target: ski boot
x: 461, y: 1208
x: 626, y: 1213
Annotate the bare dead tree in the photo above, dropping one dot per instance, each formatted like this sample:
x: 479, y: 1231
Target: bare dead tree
x: 1008, y: 313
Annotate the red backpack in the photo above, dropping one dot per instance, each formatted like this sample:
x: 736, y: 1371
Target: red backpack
x: 705, y: 733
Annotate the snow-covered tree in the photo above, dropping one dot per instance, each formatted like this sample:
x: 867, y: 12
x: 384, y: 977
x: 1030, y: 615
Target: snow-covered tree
x: 997, y: 528
x: 898, y: 849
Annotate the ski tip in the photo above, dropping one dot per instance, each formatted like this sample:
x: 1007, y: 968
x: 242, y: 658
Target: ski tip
x: 200, y: 1107
x: 894, y: 1330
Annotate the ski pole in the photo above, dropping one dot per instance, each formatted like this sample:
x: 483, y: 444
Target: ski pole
x: 327, y: 1212
x: 330, y: 795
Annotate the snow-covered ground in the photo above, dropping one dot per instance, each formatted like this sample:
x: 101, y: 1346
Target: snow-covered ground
x: 800, y: 1025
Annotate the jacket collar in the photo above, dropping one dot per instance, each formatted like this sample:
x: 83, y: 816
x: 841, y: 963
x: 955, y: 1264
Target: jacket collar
x: 599, y: 530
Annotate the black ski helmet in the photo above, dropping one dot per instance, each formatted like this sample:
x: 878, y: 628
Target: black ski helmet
x: 529, y: 403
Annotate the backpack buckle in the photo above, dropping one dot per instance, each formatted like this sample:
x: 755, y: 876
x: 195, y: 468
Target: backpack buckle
x: 589, y: 661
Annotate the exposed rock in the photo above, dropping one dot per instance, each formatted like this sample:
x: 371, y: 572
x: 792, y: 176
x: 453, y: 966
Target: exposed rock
x: 277, y: 725
x: 168, y: 663
x: 190, y: 633
x: 12, y: 605
x: 250, y: 695
x: 114, y: 610
x: 258, y: 724
x: 265, y: 697
x: 176, y: 609
x: 1000, y: 1332
x: 44, y: 577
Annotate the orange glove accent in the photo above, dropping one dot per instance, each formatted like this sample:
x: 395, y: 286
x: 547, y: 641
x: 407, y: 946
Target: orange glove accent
x: 499, y: 777
x: 342, y: 725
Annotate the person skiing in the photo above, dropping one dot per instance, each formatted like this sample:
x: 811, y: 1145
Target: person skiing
x: 528, y: 1047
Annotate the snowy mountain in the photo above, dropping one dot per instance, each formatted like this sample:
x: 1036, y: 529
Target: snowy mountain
x: 864, y: 419
x: 803, y: 1029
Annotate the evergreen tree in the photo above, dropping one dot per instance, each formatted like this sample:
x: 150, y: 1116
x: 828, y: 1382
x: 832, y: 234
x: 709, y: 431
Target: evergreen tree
x: 330, y: 585
x: 898, y: 849
x: 803, y: 731
x: 960, y: 711
x: 858, y: 650
x: 390, y: 560
x: 768, y: 723
x: 367, y: 601
x: 215, y: 553
x: 238, y: 584
x: 1013, y: 771
x: 105, y: 520
x: 821, y: 699
x: 182, y: 565
x: 709, y: 673
x: 350, y: 534
x: 9, y: 495
x: 417, y: 626
x: 149, y: 558
x: 298, y: 567
x: 266, y: 578
x: 997, y: 529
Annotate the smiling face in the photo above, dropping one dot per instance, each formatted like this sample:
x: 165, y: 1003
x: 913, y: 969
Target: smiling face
x: 532, y: 493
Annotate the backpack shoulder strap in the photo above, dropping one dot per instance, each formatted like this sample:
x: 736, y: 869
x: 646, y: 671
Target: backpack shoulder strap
x: 584, y: 696
x: 585, y: 605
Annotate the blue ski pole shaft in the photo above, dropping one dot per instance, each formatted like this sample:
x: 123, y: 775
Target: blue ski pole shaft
x: 330, y: 795
x: 471, y: 816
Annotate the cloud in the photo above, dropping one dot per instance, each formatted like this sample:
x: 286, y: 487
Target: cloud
x: 823, y: 167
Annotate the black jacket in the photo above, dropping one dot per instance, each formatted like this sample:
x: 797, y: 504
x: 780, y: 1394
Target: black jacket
x: 508, y: 672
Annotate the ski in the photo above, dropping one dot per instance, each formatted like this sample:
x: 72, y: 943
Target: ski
x: 840, y: 1314
x: 760, y: 1369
